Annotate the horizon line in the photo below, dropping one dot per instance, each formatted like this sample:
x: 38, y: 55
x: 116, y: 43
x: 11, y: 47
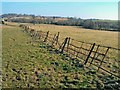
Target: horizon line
x: 60, y: 16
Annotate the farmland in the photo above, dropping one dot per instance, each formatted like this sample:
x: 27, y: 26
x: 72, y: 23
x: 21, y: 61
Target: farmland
x: 106, y: 38
x: 98, y: 24
x: 27, y: 63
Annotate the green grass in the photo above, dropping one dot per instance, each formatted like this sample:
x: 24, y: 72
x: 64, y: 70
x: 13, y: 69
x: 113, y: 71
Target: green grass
x: 31, y: 64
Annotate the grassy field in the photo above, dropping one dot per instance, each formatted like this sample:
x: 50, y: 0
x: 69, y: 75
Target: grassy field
x: 106, y: 38
x: 31, y: 64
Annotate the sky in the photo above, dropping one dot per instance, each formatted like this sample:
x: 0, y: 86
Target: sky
x: 84, y: 10
x: 60, y: 0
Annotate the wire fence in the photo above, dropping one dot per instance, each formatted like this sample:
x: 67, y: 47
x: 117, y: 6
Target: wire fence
x: 102, y: 59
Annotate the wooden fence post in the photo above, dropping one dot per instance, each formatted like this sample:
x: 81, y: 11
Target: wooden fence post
x: 57, y: 37
x: 89, y: 54
x: 103, y: 58
x: 68, y: 43
x: 94, y: 55
x: 65, y: 42
x: 46, y: 37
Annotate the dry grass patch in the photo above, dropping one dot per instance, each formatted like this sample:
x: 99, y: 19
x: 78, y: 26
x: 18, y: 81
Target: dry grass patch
x: 106, y: 38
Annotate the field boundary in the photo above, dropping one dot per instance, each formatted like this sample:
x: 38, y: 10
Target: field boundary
x: 101, y: 59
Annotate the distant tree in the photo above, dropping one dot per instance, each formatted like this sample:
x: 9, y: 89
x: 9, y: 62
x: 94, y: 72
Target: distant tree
x: 66, y: 21
x: 88, y: 24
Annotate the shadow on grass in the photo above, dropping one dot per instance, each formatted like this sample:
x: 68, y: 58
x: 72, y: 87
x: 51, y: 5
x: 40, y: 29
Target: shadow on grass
x: 64, y: 56
x: 108, y: 84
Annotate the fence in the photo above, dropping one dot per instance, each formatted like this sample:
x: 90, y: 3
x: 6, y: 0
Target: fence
x: 102, y: 59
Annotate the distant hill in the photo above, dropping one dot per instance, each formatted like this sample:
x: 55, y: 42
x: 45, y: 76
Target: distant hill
x: 109, y: 25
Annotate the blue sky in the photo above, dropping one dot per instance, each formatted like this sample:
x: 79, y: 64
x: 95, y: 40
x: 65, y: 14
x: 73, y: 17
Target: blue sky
x: 100, y: 10
x: 60, y: 0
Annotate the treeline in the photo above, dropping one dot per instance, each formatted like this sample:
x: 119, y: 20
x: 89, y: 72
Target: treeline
x: 109, y: 25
